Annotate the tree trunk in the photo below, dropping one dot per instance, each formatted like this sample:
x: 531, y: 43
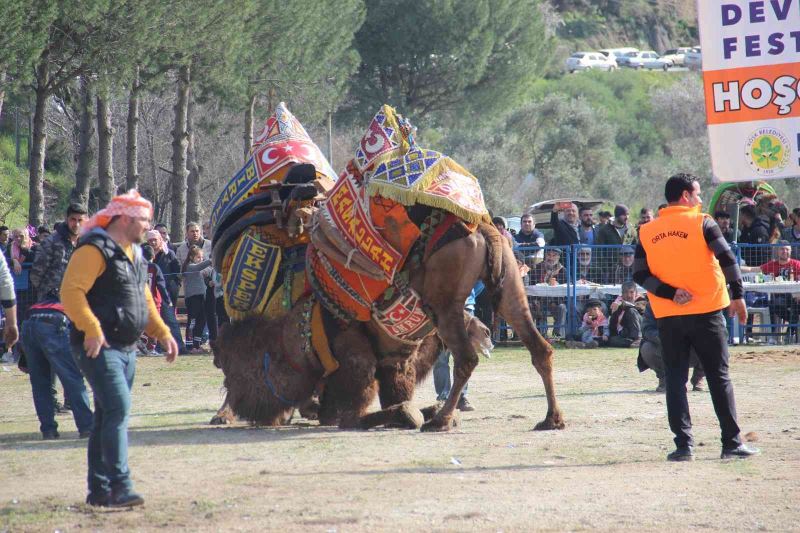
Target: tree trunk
x: 105, y: 150
x: 193, y: 210
x: 86, y: 153
x: 39, y: 144
x: 248, y: 126
x: 132, y: 145
x: 2, y: 91
x: 180, y: 143
x: 158, y: 206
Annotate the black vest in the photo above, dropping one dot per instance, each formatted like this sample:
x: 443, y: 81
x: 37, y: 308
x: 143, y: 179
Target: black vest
x: 117, y: 297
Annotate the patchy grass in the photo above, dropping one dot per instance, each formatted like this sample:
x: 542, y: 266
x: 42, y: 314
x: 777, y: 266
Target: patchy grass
x: 605, y: 471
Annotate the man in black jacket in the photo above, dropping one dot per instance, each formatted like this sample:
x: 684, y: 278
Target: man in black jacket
x: 566, y: 230
x: 755, y: 230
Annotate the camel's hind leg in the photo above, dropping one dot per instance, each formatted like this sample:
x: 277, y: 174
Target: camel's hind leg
x: 514, y: 308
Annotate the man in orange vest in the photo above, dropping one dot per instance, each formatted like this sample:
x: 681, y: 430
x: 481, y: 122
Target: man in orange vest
x: 684, y: 262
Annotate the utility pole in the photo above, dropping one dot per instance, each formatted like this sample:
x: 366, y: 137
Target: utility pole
x: 16, y: 135
x: 330, y: 137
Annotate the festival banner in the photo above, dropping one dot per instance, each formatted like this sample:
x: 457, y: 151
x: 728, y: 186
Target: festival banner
x: 751, y: 68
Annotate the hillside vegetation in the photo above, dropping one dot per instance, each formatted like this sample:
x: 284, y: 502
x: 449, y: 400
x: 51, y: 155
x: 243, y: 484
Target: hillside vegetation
x: 482, y: 81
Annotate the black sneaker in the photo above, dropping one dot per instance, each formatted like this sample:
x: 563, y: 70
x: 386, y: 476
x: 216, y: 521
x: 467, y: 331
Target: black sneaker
x: 50, y: 435
x: 85, y: 434
x: 464, y: 405
x: 126, y: 499
x: 684, y: 453
x: 742, y: 451
x: 96, y: 499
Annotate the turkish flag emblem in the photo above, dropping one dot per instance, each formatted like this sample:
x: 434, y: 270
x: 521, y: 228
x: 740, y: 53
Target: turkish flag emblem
x: 272, y: 157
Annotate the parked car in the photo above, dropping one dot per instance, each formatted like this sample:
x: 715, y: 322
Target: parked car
x: 617, y: 53
x: 676, y: 55
x: 590, y: 60
x: 693, y: 59
x: 647, y: 59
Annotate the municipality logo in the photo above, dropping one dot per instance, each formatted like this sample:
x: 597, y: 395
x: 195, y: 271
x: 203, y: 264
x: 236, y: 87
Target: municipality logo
x: 767, y: 151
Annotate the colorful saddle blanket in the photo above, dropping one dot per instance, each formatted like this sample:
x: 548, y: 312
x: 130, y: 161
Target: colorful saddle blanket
x: 393, y: 166
x: 367, y: 210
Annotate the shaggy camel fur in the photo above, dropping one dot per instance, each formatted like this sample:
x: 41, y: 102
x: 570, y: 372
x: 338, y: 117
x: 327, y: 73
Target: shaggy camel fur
x: 267, y: 373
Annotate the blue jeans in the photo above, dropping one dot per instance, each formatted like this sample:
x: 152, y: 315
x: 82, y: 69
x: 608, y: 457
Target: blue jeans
x: 111, y: 377
x: 441, y: 376
x: 169, y: 318
x: 45, y: 338
x: 586, y: 333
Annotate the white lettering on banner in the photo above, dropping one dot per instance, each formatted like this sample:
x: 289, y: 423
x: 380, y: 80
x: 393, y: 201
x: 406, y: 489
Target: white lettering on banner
x: 756, y: 93
x: 751, y: 75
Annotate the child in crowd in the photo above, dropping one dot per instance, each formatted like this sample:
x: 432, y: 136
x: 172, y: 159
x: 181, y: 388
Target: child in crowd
x: 625, y: 324
x: 595, y: 325
x: 196, y: 274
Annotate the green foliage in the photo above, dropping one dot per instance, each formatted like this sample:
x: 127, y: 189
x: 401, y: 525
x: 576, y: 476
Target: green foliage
x: 436, y: 55
x: 301, y: 52
x: 14, y: 188
x: 13, y: 192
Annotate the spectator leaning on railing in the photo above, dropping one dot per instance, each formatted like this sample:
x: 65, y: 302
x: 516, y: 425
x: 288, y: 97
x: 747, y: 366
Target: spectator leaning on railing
x: 792, y: 232
x: 784, y: 268
x: 755, y: 230
x: 529, y: 236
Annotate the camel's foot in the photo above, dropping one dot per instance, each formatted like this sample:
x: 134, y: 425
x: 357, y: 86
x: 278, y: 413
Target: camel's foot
x: 550, y: 422
x: 223, y: 417
x: 440, y: 423
x: 310, y: 409
x: 430, y: 411
x: 405, y: 416
x: 400, y: 416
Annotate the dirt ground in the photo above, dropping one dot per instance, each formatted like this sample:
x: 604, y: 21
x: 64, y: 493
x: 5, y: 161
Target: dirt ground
x: 605, y: 471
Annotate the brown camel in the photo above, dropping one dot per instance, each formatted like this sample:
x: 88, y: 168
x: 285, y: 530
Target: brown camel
x: 482, y: 255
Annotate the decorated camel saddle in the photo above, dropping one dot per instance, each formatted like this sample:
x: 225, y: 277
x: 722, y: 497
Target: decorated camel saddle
x: 394, y: 204
x: 286, y: 230
x: 259, y: 221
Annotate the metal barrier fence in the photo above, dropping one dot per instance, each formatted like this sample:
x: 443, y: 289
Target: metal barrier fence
x: 563, y: 280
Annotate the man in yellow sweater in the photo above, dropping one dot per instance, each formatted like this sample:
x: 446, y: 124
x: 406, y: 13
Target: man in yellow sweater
x: 106, y: 296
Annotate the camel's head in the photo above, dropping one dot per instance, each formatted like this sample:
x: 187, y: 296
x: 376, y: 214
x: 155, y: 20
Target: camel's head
x: 480, y: 336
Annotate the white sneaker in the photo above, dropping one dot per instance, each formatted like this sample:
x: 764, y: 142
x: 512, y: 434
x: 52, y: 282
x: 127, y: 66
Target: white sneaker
x: 7, y: 357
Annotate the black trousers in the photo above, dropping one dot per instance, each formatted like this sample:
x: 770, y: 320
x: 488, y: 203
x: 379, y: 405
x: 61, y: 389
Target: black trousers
x: 709, y: 337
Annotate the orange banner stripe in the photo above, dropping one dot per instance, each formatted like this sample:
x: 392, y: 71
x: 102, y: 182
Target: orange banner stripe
x: 769, y: 74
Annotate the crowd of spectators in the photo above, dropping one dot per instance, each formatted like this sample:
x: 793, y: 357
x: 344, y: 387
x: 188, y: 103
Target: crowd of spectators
x: 36, y: 259
x: 603, y: 245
